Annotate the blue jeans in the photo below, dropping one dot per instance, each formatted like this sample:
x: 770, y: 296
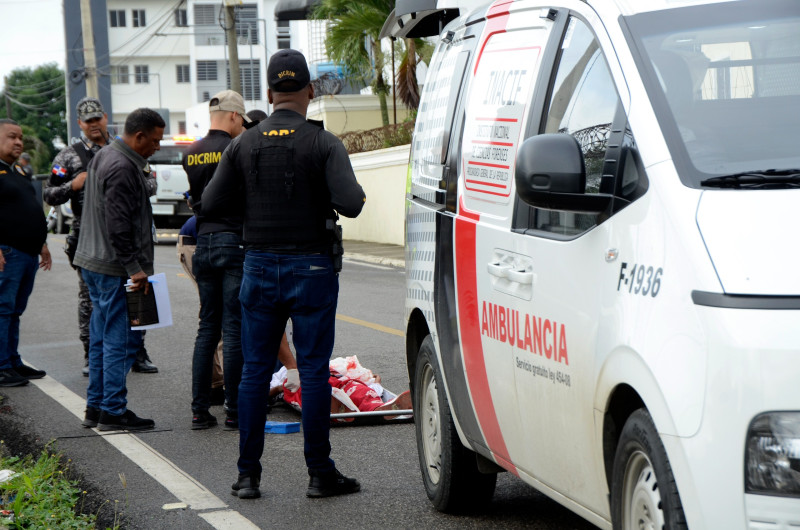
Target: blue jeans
x: 277, y: 287
x: 112, y: 344
x: 16, y: 285
x: 217, y: 266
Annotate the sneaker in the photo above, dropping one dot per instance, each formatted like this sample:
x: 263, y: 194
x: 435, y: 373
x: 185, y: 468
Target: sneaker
x: 246, y: 487
x: 85, y: 370
x: 231, y: 422
x: 28, y: 372
x: 12, y: 378
x: 203, y: 420
x: 127, y: 421
x: 330, y: 484
x: 91, y: 417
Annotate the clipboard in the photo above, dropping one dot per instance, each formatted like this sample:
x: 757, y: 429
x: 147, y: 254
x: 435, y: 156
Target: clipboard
x: 151, y: 310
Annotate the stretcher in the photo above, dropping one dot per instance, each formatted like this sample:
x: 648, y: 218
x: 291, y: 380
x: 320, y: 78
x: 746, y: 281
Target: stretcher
x: 357, y: 397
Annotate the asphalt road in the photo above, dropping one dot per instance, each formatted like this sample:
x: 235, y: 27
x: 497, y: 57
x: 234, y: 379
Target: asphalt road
x: 190, y: 472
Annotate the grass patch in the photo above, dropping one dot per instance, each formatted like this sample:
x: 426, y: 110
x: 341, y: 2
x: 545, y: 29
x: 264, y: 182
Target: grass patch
x: 47, y: 493
x: 41, y: 494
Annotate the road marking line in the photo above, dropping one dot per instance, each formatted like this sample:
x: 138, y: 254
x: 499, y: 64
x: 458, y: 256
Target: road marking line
x: 370, y: 325
x: 228, y: 520
x: 185, y: 488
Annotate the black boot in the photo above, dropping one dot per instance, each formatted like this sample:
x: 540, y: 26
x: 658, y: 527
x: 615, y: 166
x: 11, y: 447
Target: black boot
x: 142, y: 363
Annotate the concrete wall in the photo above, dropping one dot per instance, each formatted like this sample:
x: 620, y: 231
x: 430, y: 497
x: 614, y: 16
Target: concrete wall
x: 382, y: 174
x: 352, y: 112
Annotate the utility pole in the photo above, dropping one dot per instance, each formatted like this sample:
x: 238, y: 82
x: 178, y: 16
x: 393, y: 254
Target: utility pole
x: 89, y: 59
x: 8, y: 101
x: 233, y: 44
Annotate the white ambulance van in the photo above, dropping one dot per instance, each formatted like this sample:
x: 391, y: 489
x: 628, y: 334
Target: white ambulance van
x: 603, y: 258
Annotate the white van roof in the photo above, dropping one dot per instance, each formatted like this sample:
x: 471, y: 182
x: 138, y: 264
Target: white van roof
x: 632, y: 7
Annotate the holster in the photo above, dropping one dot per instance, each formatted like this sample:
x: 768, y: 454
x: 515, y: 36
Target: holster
x: 70, y: 247
x: 337, y: 249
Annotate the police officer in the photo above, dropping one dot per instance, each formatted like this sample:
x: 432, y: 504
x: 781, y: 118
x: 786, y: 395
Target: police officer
x: 216, y: 265
x: 65, y: 183
x: 292, y: 177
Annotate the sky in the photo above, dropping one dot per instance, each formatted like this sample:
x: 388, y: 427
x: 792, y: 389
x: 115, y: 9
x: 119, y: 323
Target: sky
x: 33, y: 34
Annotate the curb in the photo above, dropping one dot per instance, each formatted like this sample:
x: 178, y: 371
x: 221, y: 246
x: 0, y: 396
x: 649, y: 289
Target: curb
x: 379, y: 260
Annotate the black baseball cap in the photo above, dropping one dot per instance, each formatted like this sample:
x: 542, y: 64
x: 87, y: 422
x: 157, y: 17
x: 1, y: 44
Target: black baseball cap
x: 287, y: 71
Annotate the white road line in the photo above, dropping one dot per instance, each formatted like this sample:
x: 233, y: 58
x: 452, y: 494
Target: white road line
x: 228, y: 519
x: 178, y: 482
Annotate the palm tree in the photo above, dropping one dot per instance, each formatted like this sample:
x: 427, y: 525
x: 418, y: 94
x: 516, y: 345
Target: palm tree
x: 352, y: 40
x: 406, y: 75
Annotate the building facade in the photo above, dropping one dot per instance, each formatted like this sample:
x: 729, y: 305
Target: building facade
x: 173, y: 56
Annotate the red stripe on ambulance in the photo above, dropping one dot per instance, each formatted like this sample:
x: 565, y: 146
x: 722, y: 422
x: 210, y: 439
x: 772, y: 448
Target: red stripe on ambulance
x: 470, y: 326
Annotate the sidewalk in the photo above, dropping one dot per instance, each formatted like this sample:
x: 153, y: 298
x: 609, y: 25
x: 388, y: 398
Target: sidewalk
x: 380, y: 253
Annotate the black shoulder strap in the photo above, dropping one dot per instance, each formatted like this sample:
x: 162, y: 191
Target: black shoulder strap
x: 84, y: 154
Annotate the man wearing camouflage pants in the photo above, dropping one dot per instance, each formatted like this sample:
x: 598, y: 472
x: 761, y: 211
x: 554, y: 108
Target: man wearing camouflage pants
x: 66, y: 181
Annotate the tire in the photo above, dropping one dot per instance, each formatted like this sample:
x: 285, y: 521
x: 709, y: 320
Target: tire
x: 643, y: 490
x: 449, y: 470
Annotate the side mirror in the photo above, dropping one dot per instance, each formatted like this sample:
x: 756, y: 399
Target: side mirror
x: 550, y: 174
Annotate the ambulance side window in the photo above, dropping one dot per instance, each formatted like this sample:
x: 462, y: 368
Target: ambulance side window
x: 583, y: 103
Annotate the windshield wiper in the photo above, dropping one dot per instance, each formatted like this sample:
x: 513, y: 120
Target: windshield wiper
x: 767, y: 179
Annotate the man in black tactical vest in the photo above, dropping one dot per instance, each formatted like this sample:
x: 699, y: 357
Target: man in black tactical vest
x: 292, y: 177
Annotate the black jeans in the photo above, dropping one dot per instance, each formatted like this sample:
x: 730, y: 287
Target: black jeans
x: 217, y: 266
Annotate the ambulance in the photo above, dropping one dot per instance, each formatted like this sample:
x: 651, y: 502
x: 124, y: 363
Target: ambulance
x: 603, y: 258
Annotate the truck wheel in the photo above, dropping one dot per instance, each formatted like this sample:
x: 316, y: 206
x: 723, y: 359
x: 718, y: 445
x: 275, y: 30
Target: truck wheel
x: 449, y: 470
x: 643, y: 490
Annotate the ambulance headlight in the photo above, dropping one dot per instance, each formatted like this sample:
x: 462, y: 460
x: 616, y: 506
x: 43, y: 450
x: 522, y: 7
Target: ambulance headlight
x: 772, y: 460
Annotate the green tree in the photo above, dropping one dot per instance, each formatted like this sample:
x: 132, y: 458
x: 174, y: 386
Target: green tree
x: 37, y: 102
x: 352, y: 40
x: 413, y: 50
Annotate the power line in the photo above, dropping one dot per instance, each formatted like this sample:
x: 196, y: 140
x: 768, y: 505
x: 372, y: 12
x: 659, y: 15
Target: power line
x: 36, y: 85
x: 39, y: 107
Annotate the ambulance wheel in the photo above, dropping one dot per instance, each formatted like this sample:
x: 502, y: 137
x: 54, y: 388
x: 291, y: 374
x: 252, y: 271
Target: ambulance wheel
x: 449, y: 470
x: 643, y: 490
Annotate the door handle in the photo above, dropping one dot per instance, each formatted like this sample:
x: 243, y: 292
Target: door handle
x: 519, y: 276
x: 498, y: 269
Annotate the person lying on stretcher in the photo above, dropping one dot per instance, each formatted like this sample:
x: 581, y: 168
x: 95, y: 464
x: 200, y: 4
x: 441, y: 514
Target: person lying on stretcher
x: 353, y: 388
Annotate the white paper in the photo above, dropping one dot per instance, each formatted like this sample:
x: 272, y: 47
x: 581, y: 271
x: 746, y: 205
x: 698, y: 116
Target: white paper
x: 158, y: 283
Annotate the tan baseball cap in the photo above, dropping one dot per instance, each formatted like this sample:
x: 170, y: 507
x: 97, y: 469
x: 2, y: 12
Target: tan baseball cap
x: 229, y: 101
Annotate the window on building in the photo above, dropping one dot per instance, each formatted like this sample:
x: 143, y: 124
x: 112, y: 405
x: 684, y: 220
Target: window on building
x: 120, y: 75
x: 180, y: 18
x: 206, y: 70
x: 138, y: 18
x: 284, y: 34
x: 205, y: 14
x: 247, y: 24
x: 206, y: 96
x: 117, y: 18
x: 250, y: 74
x: 142, y: 72
x: 181, y: 127
x: 182, y: 73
